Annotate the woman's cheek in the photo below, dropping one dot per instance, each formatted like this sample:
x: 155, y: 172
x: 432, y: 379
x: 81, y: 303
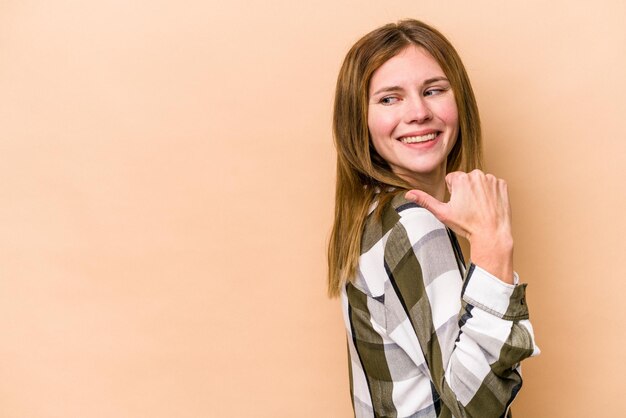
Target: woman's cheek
x: 389, y: 121
x: 448, y: 112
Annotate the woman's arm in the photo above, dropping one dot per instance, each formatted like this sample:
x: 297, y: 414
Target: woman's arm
x: 472, y: 357
x: 478, y: 376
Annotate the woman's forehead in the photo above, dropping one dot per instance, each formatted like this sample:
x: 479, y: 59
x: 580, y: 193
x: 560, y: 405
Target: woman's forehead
x: 412, y: 65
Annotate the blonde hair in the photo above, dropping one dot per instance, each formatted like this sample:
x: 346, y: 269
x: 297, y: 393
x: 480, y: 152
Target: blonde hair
x: 361, y: 172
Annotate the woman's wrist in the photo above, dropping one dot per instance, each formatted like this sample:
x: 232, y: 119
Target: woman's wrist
x: 494, y: 254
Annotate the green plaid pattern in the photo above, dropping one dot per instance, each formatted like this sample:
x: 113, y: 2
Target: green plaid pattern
x: 426, y: 336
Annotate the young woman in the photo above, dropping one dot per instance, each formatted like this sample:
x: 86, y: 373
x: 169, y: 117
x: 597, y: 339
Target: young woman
x: 427, y: 336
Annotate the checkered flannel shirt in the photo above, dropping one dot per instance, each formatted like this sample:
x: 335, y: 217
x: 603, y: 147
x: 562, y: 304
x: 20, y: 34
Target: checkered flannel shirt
x: 426, y: 336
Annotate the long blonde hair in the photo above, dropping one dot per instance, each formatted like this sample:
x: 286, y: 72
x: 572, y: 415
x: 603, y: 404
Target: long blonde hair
x: 361, y: 172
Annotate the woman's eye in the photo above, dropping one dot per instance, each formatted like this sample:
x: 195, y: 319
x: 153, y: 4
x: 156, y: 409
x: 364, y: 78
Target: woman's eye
x: 434, y: 91
x: 387, y: 100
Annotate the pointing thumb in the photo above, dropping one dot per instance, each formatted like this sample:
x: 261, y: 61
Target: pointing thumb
x: 428, y: 202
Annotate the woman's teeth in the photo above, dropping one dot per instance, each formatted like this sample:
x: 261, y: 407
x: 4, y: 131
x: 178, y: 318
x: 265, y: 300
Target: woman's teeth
x: 415, y: 139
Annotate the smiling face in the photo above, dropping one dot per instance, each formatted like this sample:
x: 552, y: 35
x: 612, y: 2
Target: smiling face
x: 412, y: 117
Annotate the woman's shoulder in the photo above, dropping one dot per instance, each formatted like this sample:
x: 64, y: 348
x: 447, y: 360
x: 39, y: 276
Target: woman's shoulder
x: 414, y: 221
x: 395, y: 212
x: 393, y: 227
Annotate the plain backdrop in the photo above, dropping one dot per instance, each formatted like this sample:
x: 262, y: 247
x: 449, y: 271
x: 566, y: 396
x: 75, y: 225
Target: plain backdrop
x: 166, y: 190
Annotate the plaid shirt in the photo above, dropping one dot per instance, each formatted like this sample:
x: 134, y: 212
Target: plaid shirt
x: 426, y: 337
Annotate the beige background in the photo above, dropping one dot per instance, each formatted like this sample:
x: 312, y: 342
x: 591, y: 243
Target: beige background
x: 166, y: 196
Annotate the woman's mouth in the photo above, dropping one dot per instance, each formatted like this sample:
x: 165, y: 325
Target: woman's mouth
x: 419, y: 138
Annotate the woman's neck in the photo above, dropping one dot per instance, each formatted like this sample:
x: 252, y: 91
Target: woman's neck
x: 434, y: 185
x: 435, y: 189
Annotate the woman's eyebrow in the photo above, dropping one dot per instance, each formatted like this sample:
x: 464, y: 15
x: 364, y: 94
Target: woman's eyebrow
x: 435, y: 79
x: 398, y: 88
x: 387, y: 90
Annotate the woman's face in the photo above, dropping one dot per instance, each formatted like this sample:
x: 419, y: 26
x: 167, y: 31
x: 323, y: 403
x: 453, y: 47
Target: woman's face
x: 412, y: 116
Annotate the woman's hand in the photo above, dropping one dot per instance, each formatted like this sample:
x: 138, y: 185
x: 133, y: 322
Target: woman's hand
x: 478, y: 210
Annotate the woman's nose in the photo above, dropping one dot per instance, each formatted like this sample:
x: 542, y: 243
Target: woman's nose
x: 417, y: 110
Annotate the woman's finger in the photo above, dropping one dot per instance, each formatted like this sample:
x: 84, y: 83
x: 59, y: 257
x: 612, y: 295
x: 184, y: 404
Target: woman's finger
x: 429, y: 203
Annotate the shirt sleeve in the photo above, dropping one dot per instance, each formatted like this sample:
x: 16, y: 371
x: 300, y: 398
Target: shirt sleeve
x: 473, y: 332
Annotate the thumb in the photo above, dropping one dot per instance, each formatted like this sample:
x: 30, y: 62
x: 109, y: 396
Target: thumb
x: 428, y: 202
